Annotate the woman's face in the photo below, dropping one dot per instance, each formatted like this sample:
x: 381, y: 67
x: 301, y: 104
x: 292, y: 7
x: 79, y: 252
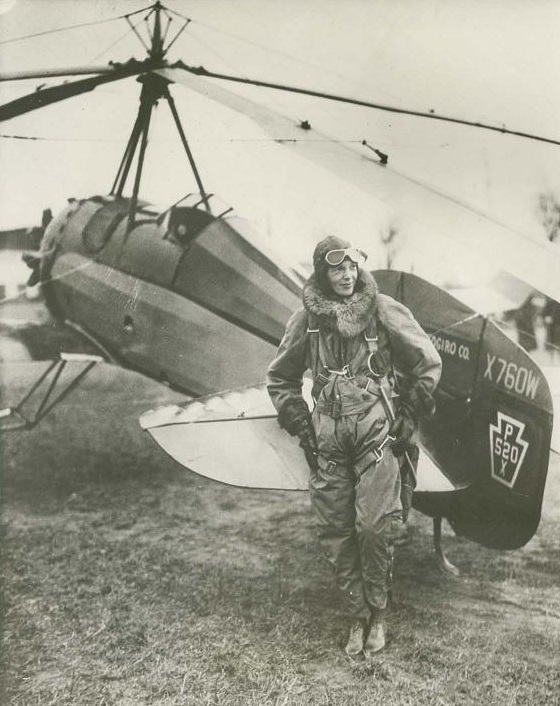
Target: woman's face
x: 343, y: 277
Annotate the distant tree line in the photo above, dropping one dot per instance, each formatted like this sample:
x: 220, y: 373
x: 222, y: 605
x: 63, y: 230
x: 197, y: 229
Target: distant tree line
x: 549, y: 209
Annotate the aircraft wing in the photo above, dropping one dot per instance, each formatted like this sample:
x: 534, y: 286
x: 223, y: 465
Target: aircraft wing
x: 234, y: 437
x: 422, y: 207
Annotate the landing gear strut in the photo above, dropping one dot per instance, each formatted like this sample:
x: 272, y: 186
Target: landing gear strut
x: 15, y: 418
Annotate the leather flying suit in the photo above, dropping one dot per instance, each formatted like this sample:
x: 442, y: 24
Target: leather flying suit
x: 354, y: 495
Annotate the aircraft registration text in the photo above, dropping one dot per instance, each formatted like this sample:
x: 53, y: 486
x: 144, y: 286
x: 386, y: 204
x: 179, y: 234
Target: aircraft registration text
x: 515, y: 378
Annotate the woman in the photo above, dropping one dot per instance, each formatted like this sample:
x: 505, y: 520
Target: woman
x: 352, y: 338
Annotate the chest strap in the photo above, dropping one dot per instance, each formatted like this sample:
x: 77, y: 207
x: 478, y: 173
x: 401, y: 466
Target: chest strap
x: 378, y: 360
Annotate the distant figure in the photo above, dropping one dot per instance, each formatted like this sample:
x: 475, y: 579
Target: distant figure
x: 350, y: 336
x: 36, y: 233
x: 551, y: 316
x: 46, y: 218
x: 525, y: 322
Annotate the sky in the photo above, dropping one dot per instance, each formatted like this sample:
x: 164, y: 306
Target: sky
x: 493, y: 62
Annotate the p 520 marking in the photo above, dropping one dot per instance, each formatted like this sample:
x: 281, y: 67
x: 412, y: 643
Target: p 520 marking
x: 507, y: 449
x: 515, y: 378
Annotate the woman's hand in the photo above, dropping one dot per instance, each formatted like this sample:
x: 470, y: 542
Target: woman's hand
x: 295, y: 418
x: 308, y: 442
x: 403, y: 428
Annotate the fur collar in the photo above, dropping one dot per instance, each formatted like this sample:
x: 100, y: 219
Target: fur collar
x: 348, y: 317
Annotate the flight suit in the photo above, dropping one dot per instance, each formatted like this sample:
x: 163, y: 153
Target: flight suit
x: 355, y: 491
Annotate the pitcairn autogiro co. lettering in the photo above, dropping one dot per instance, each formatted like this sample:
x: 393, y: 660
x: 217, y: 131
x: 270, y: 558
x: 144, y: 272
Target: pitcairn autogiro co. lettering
x: 507, y: 449
x: 515, y: 378
x: 449, y: 347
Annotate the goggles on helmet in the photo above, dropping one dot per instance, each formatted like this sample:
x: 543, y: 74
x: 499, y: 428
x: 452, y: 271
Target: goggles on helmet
x: 335, y: 257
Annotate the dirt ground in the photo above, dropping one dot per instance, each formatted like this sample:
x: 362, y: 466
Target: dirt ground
x: 128, y: 580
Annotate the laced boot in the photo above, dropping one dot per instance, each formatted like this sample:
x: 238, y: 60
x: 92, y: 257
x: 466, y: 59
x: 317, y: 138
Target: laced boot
x: 355, y: 645
x: 376, y: 637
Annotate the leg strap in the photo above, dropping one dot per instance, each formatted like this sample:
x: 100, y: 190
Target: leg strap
x: 371, y: 458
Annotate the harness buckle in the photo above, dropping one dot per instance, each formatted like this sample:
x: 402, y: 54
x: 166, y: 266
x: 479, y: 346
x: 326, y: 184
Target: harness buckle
x: 372, y: 368
x: 345, y: 372
x: 335, y: 409
x: 378, y: 451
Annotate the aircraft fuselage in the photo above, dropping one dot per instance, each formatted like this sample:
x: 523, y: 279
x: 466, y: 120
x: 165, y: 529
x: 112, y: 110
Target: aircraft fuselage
x: 184, y: 297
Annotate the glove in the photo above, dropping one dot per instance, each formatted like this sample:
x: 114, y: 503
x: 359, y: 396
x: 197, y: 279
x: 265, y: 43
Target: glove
x: 420, y: 400
x: 295, y: 418
x: 403, y: 428
x: 416, y: 402
x: 308, y: 442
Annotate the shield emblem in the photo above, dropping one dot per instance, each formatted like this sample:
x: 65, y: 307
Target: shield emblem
x: 507, y: 449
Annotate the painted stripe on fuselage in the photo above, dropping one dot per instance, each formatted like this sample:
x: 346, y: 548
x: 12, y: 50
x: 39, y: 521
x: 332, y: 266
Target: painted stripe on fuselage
x: 157, y: 331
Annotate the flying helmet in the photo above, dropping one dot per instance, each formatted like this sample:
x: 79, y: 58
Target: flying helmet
x: 330, y: 252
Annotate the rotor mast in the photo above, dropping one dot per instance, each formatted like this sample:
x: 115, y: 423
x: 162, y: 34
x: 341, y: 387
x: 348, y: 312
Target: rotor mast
x: 156, y: 50
x: 154, y: 87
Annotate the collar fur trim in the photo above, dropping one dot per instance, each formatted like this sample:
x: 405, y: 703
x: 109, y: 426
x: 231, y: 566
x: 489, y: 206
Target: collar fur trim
x: 348, y: 317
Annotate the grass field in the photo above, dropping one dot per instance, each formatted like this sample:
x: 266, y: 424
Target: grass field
x: 129, y: 581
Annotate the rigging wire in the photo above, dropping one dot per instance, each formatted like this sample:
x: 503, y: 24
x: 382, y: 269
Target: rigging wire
x: 225, y: 62
x: 69, y: 27
x: 96, y: 58
x: 168, y: 28
x: 211, y: 50
x: 54, y: 278
x: 137, y: 33
x: 271, y: 50
x: 39, y: 138
x: 230, y: 139
x: 228, y: 63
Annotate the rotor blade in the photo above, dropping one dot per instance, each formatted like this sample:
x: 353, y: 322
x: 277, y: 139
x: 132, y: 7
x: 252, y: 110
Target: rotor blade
x: 45, y: 96
x: 417, y: 205
x: 201, y: 71
x: 50, y: 73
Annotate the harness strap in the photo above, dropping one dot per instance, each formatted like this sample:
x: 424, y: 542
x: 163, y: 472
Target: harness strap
x: 371, y: 458
x: 378, y: 360
x: 386, y: 396
x: 321, y: 355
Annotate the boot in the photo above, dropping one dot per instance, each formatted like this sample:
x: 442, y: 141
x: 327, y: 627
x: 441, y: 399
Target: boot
x: 376, y: 637
x: 355, y: 644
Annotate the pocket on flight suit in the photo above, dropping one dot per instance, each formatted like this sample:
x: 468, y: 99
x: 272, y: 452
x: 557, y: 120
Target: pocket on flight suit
x: 326, y: 434
x: 371, y: 428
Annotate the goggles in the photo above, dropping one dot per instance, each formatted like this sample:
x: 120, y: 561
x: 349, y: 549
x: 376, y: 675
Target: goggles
x: 335, y: 257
